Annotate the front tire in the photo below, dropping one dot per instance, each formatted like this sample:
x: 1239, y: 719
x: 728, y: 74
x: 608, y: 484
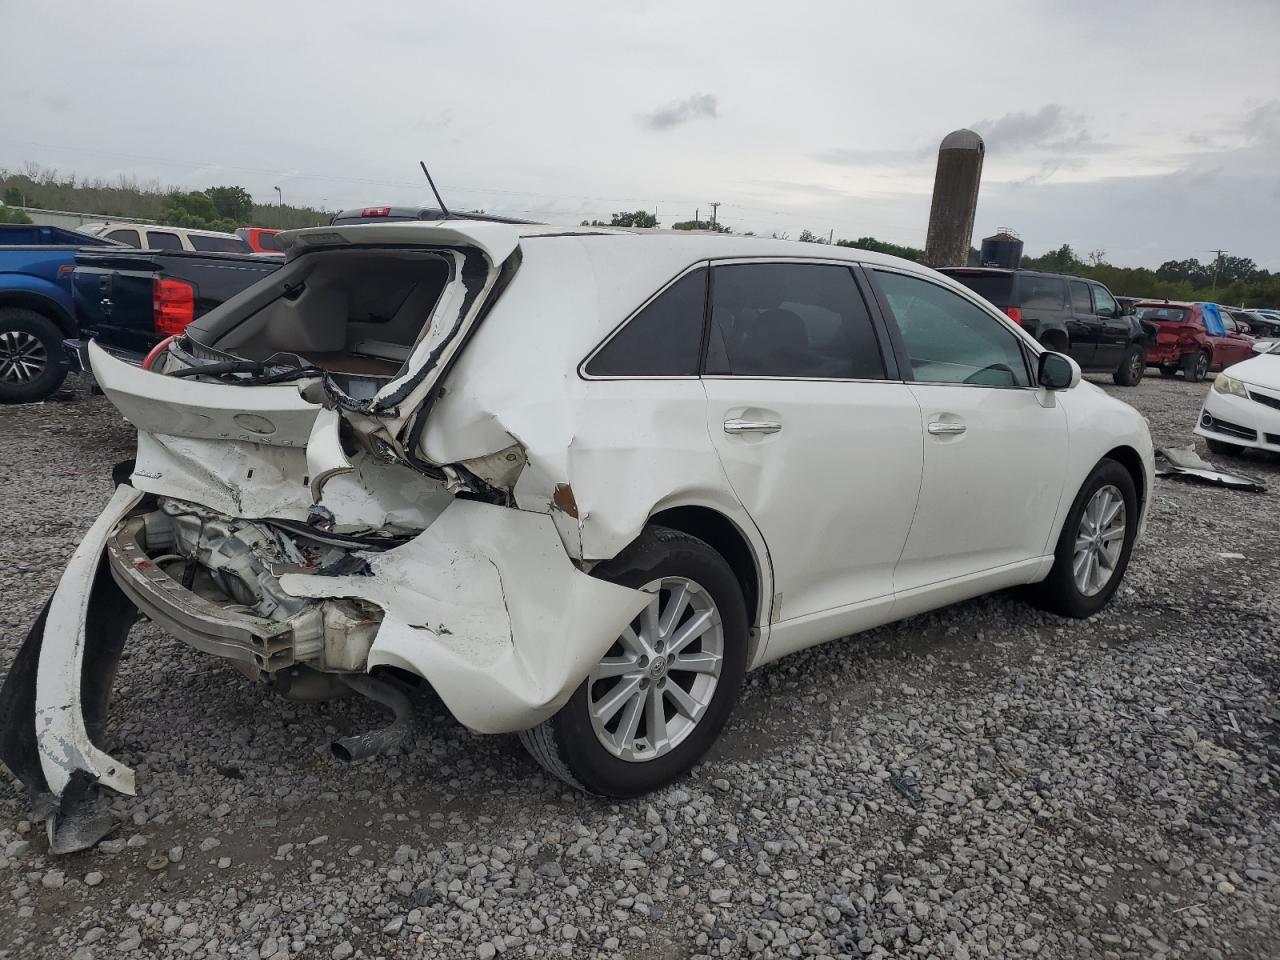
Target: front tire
x: 1195, y: 366
x: 31, y: 361
x: 663, y: 691
x: 1094, y: 546
x: 1132, y: 366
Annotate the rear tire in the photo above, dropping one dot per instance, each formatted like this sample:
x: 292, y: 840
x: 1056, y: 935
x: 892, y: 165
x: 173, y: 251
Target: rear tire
x: 596, y: 753
x: 1062, y: 592
x: 32, y: 365
x: 1132, y: 366
x: 1222, y: 448
x: 1195, y: 366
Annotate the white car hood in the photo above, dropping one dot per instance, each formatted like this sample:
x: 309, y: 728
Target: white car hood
x: 1262, y: 370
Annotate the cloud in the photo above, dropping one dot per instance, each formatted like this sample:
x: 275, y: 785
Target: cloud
x: 1052, y: 128
x: 875, y: 156
x: 682, y: 111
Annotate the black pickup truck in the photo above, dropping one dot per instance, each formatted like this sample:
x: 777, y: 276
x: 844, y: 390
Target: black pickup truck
x: 130, y: 300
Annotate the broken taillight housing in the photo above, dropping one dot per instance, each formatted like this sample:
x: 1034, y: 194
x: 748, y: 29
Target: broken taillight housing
x: 158, y: 349
x: 1015, y: 314
x: 174, y: 305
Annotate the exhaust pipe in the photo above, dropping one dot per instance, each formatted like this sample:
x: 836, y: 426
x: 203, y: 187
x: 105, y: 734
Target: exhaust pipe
x: 397, y: 735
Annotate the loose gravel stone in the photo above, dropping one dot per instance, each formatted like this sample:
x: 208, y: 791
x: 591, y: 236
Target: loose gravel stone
x: 985, y: 781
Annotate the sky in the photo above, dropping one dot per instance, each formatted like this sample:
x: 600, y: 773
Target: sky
x: 1147, y: 130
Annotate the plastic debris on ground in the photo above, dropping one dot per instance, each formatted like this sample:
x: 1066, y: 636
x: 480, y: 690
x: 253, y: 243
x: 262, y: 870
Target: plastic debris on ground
x: 1183, y: 463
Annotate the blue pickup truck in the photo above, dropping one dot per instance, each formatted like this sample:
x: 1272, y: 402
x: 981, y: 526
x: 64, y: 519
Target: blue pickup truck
x: 36, y: 264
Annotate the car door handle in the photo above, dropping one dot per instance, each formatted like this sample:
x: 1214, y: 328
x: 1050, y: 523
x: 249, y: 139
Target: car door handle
x: 734, y: 425
x: 944, y: 428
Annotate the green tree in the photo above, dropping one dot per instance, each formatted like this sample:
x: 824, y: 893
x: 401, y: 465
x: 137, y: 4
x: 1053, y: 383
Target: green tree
x: 808, y: 236
x: 635, y: 218
x: 232, y: 203
x: 9, y: 215
x: 701, y: 225
x: 881, y: 246
x: 13, y: 197
x: 194, y: 210
x: 1062, y: 260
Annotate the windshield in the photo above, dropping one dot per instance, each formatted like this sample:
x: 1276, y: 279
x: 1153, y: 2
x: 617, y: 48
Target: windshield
x: 1169, y: 314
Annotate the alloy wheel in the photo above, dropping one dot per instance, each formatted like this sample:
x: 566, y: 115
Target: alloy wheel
x: 1099, y: 540
x: 657, y: 680
x: 22, y: 356
x: 1202, y: 366
x: 1137, y: 363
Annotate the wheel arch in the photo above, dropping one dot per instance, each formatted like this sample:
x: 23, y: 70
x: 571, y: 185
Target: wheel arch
x: 1056, y: 340
x: 46, y: 306
x: 729, y: 540
x: 1131, y: 460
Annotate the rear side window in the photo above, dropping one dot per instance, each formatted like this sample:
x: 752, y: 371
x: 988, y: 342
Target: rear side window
x: 161, y: 240
x: 267, y: 241
x: 803, y: 320
x: 995, y: 288
x: 1043, y: 293
x: 218, y: 244
x: 124, y: 236
x: 1080, y: 302
x: 663, y: 340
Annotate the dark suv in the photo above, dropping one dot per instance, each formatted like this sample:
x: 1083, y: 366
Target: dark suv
x: 1067, y: 314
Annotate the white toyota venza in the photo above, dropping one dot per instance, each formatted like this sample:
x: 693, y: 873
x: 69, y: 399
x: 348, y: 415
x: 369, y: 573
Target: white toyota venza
x: 577, y: 480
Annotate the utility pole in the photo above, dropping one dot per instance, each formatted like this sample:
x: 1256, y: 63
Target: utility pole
x: 713, y: 214
x: 279, y: 197
x: 1217, y: 265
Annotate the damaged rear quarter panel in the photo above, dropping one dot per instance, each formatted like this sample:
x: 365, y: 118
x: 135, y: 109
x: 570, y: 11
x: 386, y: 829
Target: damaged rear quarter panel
x: 627, y: 448
x: 486, y: 606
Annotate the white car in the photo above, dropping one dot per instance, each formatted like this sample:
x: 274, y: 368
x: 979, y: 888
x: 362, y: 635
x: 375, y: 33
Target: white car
x: 1242, y: 408
x: 579, y: 481
x: 153, y: 236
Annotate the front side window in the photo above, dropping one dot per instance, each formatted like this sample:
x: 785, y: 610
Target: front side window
x: 162, y: 240
x: 949, y: 339
x: 1080, y: 303
x: 663, y: 340
x: 124, y: 236
x: 1104, y: 303
x: 802, y: 320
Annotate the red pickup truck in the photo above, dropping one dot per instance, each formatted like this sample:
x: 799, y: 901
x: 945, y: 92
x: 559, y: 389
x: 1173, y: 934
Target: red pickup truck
x: 1192, y: 337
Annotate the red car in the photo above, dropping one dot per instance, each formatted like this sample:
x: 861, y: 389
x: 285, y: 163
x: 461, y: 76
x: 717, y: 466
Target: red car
x: 260, y: 239
x: 1192, y: 337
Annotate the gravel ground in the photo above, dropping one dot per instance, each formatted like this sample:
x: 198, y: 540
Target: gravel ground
x: 985, y: 781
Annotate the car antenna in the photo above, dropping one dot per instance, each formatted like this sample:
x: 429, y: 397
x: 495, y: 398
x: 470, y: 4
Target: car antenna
x: 427, y: 173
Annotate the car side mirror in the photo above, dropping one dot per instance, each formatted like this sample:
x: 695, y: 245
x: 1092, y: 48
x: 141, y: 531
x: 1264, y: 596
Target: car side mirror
x: 1057, y: 371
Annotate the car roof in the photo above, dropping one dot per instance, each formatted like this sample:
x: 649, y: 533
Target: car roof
x: 495, y: 236
x: 132, y: 225
x: 426, y: 213
x: 1166, y: 303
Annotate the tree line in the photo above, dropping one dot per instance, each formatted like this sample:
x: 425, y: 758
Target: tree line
x: 214, y: 208
x: 1229, y: 279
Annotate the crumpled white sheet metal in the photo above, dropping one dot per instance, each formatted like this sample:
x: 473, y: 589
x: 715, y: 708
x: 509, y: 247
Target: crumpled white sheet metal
x: 61, y: 736
x: 488, y: 608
